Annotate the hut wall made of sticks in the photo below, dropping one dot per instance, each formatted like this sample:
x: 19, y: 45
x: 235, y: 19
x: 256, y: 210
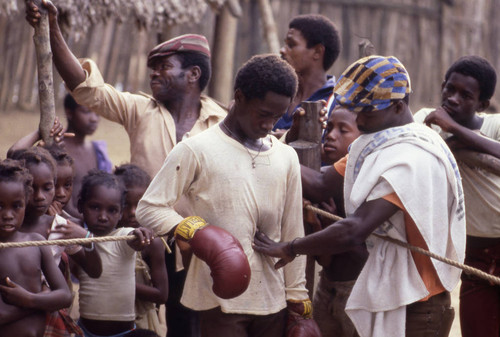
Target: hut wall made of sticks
x: 426, y: 35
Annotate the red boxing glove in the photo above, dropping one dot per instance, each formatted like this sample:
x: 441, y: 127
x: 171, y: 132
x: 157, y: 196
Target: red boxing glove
x: 221, y: 251
x: 300, y: 322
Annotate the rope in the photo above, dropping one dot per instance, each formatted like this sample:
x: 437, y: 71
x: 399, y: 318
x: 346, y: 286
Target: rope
x: 65, y: 242
x: 464, y: 267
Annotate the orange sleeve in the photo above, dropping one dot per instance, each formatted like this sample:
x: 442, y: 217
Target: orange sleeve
x: 424, y: 264
x: 340, y: 165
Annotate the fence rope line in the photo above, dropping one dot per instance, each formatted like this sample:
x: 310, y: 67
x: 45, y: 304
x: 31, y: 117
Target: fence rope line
x: 65, y: 242
x: 468, y: 269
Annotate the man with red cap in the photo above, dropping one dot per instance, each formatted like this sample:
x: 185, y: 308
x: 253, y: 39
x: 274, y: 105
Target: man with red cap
x: 180, y: 71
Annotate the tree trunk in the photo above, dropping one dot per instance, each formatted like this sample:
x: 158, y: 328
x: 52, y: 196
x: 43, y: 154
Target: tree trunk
x: 45, y: 78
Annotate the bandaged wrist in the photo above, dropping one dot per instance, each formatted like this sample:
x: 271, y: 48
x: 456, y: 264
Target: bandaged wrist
x: 189, y: 226
x: 301, y: 307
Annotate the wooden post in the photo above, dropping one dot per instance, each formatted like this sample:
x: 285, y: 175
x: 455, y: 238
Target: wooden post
x: 308, y: 148
x: 223, y: 56
x: 270, y: 30
x: 41, y: 39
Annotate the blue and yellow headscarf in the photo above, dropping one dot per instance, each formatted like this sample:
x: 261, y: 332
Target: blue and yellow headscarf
x: 372, y: 83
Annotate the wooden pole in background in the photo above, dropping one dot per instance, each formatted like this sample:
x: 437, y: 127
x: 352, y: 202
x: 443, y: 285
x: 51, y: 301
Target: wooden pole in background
x: 223, y: 56
x: 308, y: 148
x: 270, y: 30
x: 45, y: 79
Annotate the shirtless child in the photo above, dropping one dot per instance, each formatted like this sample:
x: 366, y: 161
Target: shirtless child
x: 22, y: 305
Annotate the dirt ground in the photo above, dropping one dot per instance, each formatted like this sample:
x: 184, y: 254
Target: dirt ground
x: 14, y: 125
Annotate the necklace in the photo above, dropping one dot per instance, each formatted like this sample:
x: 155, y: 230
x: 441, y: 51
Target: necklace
x: 242, y: 143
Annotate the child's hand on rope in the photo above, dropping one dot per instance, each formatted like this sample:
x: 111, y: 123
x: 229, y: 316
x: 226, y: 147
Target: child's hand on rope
x: 143, y: 237
x: 310, y: 217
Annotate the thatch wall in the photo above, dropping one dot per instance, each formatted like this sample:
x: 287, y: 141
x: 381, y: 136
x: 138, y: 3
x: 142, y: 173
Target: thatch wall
x: 427, y: 35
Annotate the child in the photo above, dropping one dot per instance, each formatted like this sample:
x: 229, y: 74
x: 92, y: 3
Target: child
x: 339, y: 271
x: 466, y: 90
x: 65, y: 173
x: 105, y: 308
x: 341, y: 131
x: 88, y: 155
x: 23, y: 307
x: 42, y: 167
x: 150, y: 271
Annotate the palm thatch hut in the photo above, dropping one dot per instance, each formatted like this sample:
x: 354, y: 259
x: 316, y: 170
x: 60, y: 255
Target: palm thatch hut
x: 427, y: 35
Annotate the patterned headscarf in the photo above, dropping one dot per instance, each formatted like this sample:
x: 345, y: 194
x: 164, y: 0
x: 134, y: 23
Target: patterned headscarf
x: 188, y: 42
x: 372, y: 83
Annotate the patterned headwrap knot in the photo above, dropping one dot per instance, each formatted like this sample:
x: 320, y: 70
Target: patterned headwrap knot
x: 372, y: 83
x: 184, y: 43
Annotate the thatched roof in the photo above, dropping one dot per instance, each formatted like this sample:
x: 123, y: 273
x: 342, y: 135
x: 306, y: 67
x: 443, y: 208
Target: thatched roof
x: 149, y: 14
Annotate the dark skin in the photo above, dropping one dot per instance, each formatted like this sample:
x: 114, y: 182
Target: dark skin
x: 341, y: 131
x: 82, y: 122
x: 153, y: 255
x: 353, y: 230
x: 23, y: 305
x: 101, y: 211
x: 250, y: 120
x: 183, y: 101
x: 308, y: 64
x: 36, y: 219
x: 460, y: 102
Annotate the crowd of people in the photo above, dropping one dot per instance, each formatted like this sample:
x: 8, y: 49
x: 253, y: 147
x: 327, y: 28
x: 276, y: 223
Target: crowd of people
x: 211, y: 203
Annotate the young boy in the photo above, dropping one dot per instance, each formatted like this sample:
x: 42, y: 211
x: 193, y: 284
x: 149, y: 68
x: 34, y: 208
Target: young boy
x: 312, y: 45
x: 240, y: 179
x: 23, y: 305
x: 466, y: 90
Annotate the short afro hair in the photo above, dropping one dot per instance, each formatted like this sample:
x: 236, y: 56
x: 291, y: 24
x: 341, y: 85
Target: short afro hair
x: 70, y: 103
x: 478, y: 68
x: 263, y: 73
x: 189, y: 59
x: 318, y: 29
x: 100, y: 178
x: 132, y: 175
x: 14, y: 171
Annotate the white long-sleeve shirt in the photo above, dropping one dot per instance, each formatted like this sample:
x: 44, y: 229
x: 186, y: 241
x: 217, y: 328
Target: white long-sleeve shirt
x: 215, y: 173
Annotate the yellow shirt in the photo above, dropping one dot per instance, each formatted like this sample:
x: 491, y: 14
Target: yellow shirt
x: 148, y: 123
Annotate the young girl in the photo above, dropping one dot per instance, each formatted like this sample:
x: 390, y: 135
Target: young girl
x: 151, y: 278
x: 65, y: 173
x: 23, y: 306
x: 107, y: 303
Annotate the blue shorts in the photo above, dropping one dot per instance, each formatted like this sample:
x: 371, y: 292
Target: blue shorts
x: 87, y: 333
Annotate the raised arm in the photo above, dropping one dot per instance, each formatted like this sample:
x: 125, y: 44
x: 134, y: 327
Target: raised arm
x: 464, y: 138
x: 65, y: 61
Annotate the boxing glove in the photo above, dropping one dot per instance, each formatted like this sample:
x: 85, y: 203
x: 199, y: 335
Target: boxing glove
x: 300, y: 322
x: 221, y: 251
